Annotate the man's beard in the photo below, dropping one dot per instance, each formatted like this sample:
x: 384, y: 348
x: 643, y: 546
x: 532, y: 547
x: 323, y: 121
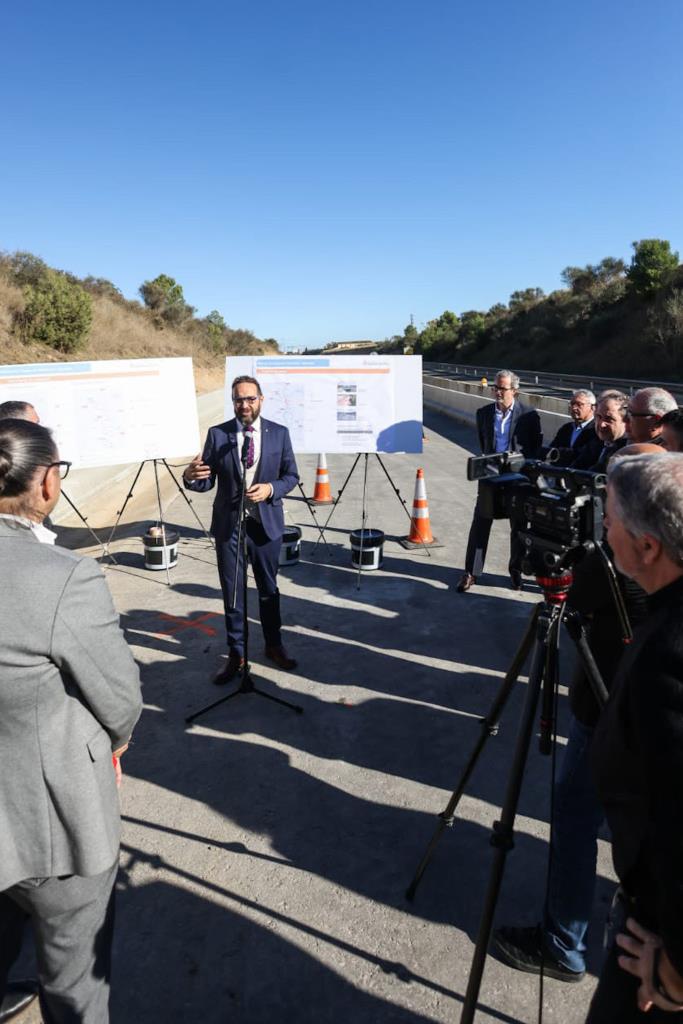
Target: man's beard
x: 251, y: 420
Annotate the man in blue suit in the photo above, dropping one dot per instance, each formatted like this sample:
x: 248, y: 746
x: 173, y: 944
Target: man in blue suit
x: 505, y: 425
x: 271, y: 473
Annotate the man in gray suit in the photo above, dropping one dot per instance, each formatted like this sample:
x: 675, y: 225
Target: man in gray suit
x: 69, y: 698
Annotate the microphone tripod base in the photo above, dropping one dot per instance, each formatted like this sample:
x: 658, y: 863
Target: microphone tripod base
x: 246, y: 686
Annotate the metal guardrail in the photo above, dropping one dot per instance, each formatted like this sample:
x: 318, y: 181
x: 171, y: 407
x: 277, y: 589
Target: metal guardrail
x: 561, y: 381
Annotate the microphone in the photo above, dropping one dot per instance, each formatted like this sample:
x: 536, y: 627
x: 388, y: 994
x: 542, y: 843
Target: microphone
x: 245, y: 448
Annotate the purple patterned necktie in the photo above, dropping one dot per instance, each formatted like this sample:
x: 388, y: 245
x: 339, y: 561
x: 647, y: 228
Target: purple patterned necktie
x: 249, y: 431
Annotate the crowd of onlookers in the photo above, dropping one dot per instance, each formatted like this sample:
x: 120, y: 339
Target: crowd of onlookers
x: 623, y: 760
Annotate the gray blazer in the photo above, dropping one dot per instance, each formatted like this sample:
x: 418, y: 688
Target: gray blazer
x: 69, y: 695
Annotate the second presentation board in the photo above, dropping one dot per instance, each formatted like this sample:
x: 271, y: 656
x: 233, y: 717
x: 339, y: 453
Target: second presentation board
x: 345, y: 404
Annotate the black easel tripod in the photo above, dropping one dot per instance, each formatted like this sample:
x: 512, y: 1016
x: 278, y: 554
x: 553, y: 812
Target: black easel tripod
x: 87, y: 525
x: 542, y: 640
x: 160, y: 520
x: 395, y: 489
x: 241, y: 556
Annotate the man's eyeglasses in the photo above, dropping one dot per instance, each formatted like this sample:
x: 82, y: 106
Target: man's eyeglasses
x: 63, y: 469
x: 250, y: 399
x: 494, y: 387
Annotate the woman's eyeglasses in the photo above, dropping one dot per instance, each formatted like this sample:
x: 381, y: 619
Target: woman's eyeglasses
x: 63, y: 469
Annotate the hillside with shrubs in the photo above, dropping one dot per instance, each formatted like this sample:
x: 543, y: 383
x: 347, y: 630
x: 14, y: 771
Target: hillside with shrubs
x: 49, y: 315
x: 611, y: 318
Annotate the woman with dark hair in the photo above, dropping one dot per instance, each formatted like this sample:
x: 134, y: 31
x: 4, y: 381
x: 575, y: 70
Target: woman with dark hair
x: 69, y: 698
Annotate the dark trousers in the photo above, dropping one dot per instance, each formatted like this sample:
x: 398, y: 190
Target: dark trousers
x: 478, y: 542
x: 73, y: 925
x: 264, y: 554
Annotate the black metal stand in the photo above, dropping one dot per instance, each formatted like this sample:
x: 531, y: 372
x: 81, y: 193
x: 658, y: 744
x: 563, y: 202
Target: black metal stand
x: 364, y: 514
x: 241, y: 559
x: 311, y: 509
x: 160, y: 520
x: 87, y: 525
x: 542, y: 640
x: 535, y: 637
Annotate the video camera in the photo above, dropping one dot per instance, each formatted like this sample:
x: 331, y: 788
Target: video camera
x: 557, y: 512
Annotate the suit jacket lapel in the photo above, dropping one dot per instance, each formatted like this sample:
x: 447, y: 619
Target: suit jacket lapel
x: 514, y: 416
x: 491, y: 427
x: 265, y: 449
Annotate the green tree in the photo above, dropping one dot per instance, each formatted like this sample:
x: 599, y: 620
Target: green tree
x: 497, y: 310
x: 102, y: 286
x: 215, y: 326
x: 472, y: 326
x: 520, y: 301
x: 581, y: 280
x: 57, y: 312
x: 442, y: 330
x: 164, y: 296
x: 24, y: 268
x: 651, y: 265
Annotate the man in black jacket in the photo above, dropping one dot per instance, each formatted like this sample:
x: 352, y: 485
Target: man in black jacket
x: 610, y: 426
x: 638, y: 750
x: 505, y: 425
x: 579, y: 434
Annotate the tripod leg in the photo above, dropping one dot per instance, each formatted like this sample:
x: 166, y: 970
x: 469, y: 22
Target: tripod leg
x: 311, y: 509
x: 401, y: 499
x: 502, y: 838
x: 489, y: 727
x: 188, y: 501
x: 364, y: 516
x: 87, y: 525
x: 161, y: 520
x: 278, y: 700
x: 123, y: 508
x: 577, y: 632
x: 338, y: 498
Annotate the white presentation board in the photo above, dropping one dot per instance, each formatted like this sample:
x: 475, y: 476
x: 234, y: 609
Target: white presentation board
x: 111, y: 411
x: 347, y: 404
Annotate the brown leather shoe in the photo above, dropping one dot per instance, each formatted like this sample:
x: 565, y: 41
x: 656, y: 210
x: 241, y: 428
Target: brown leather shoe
x: 279, y: 656
x: 232, y: 667
x: 466, y: 581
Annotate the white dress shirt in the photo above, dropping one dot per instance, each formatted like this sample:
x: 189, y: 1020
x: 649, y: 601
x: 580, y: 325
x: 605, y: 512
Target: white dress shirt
x: 501, y: 429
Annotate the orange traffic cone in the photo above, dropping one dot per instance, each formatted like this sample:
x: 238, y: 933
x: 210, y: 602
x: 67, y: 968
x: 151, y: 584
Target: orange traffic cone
x: 420, y: 529
x: 322, y: 494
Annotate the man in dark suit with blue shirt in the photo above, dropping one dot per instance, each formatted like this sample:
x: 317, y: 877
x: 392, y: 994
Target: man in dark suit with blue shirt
x: 505, y: 425
x: 271, y: 473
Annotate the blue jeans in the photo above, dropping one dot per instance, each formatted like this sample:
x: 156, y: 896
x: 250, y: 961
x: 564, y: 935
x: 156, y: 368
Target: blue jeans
x: 578, y: 817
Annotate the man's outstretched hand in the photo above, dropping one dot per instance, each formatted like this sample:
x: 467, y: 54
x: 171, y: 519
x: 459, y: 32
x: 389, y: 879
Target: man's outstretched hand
x: 197, y: 470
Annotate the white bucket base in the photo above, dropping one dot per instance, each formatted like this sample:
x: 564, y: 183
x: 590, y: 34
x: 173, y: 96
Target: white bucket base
x: 291, y: 546
x: 372, y: 552
x: 159, y: 555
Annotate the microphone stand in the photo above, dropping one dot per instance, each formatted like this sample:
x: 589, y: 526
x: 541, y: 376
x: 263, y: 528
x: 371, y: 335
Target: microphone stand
x: 246, y: 678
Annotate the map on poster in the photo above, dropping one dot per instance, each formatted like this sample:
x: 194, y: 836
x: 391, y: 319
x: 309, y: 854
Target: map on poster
x: 346, y: 404
x: 113, y: 411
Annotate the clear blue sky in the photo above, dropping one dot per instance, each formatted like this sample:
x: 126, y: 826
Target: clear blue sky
x: 321, y: 170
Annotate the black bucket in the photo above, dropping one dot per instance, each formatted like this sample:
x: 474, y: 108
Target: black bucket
x: 372, y: 553
x: 161, y: 550
x: 291, y: 546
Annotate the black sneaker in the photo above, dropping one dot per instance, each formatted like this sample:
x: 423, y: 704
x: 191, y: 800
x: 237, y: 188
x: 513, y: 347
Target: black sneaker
x: 522, y: 948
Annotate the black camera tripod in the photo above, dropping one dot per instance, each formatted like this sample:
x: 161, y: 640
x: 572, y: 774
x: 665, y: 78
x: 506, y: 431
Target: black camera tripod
x: 541, y: 639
